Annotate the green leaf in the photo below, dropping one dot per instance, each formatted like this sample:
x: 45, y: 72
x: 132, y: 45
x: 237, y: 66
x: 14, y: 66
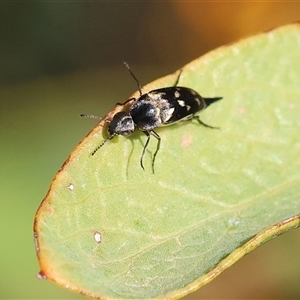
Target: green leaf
x: 109, y: 229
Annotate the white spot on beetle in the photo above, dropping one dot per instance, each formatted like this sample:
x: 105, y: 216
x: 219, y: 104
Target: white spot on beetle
x: 97, y: 237
x: 156, y: 96
x: 177, y: 94
x: 167, y: 114
x: 181, y: 103
x: 198, y: 100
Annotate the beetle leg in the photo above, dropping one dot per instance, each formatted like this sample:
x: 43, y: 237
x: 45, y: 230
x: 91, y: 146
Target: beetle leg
x: 202, y: 123
x: 157, y: 147
x: 145, y: 147
x: 148, y: 133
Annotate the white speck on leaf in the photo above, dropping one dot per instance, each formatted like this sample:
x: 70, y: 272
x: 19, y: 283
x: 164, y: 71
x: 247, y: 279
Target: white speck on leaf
x: 97, y: 237
x: 233, y: 222
x: 71, y: 187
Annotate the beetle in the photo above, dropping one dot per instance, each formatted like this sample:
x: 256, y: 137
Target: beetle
x: 159, y: 107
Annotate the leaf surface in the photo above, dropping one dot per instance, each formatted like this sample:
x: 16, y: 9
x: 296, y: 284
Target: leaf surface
x: 108, y: 229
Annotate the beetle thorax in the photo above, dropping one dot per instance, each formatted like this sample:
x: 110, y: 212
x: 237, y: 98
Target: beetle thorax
x: 145, y: 113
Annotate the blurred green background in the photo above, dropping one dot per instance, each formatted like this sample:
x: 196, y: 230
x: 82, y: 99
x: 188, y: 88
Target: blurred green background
x: 61, y: 59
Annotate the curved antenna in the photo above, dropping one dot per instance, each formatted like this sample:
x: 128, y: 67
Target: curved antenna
x: 103, y: 143
x: 136, y: 80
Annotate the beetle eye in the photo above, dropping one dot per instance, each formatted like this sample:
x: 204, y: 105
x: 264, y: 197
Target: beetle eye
x: 122, y: 124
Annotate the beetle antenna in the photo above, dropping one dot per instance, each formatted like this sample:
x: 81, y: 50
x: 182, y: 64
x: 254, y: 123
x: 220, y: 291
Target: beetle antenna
x: 90, y: 116
x: 178, y: 77
x: 136, y: 80
x: 103, y: 143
